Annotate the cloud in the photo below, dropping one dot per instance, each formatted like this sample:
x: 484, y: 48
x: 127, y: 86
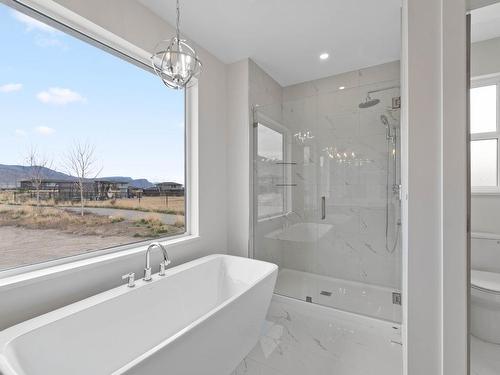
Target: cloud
x: 46, y: 36
x: 11, y: 87
x: 44, y: 42
x: 21, y: 133
x: 31, y: 23
x: 59, y: 96
x: 44, y: 130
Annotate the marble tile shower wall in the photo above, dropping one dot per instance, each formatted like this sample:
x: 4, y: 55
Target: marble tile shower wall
x: 346, y: 162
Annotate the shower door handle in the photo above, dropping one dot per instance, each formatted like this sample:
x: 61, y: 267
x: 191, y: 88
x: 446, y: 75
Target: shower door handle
x: 323, y: 208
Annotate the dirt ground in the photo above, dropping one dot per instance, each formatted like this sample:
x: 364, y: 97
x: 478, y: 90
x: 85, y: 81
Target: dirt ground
x: 31, y: 235
x: 21, y: 246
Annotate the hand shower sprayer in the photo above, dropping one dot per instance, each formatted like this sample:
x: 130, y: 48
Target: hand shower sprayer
x: 392, y: 157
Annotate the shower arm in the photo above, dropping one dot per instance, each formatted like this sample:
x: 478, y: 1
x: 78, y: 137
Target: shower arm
x: 383, y: 89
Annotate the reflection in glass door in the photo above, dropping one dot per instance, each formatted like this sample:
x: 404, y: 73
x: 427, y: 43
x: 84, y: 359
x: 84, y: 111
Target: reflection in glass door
x: 484, y: 126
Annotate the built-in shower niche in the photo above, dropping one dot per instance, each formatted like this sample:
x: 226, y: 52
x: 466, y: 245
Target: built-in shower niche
x: 326, y: 190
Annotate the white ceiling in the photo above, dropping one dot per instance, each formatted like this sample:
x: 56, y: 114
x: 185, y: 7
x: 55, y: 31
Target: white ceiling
x: 485, y: 23
x: 286, y: 37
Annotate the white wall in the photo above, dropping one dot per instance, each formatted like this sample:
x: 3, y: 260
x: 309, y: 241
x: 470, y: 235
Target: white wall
x: 264, y: 90
x: 237, y: 163
x: 485, y: 213
x: 23, y: 299
x: 475, y: 4
x: 435, y: 285
x: 485, y: 57
x: 455, y: 190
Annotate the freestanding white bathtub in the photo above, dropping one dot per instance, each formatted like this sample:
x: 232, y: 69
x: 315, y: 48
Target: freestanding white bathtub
x: 203, y: 317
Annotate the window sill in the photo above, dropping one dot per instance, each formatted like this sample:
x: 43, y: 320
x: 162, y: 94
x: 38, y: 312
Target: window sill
x: 34, y: 273
x: 492, y: 192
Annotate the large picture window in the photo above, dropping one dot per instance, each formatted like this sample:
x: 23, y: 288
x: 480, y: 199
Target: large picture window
x: 91, y: 148
x: 484, y: 147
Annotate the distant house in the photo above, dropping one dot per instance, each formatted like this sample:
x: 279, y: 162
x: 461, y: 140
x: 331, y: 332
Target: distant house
x: 171, y: 187
x: 152, y: 191
x: 165, y: 189
x: 112, y: 188
x: 68, y: 189
x: 135, y: 192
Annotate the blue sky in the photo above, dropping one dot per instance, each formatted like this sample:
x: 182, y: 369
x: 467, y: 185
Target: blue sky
x: 56, y: 90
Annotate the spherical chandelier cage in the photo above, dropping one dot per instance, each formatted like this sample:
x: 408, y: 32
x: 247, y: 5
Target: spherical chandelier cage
x: 176, y: 63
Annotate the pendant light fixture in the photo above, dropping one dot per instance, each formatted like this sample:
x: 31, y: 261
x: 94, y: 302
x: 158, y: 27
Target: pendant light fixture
x: 175, y: 61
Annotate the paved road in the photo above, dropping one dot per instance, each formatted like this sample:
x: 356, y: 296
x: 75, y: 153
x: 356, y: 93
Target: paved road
x: 131, y: 215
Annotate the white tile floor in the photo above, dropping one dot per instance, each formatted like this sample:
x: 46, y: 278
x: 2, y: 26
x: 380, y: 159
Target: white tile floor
x: 485, y: 357
x: 300, y: 338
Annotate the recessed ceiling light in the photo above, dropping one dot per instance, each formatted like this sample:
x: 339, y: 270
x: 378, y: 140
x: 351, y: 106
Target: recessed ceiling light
x: 324, y: 56
x: 341, y: 87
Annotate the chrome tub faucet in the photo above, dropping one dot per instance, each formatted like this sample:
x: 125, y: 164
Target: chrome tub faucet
x: 163, y: 265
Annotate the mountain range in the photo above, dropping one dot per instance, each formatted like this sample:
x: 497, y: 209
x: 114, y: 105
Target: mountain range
x: 11, y: 175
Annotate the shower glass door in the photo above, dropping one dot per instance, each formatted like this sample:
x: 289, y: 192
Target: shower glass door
x: 285, y: 194
x: 326, y: 204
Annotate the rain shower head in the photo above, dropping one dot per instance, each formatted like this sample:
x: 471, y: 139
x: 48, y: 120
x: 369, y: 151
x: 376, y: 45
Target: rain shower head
x: 369, y: 102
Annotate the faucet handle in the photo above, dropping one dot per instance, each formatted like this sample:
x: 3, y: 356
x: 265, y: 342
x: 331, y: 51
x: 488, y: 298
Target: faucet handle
x: 147, y: 274
x: 163, y: 265
x: 130, y: 277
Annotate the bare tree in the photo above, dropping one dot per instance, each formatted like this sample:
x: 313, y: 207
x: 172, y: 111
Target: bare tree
x: 37, y: 166
x: 81, y: 163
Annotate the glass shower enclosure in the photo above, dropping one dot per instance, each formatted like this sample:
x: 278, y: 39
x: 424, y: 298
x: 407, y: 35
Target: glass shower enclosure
x: 326, y: 205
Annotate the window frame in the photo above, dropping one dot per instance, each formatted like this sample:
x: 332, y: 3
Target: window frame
x: 79, y: 27
x: 279, y: 128
x: 477, y: 82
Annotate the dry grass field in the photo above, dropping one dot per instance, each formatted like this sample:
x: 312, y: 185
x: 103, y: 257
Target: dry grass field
x: 166, y: 205
x: 71, y: 222
x: 33, y: 234
x: 6, y: 196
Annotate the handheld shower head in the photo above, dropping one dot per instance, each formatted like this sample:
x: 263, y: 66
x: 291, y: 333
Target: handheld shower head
x: 390, y: 132
x: 384, y: 120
